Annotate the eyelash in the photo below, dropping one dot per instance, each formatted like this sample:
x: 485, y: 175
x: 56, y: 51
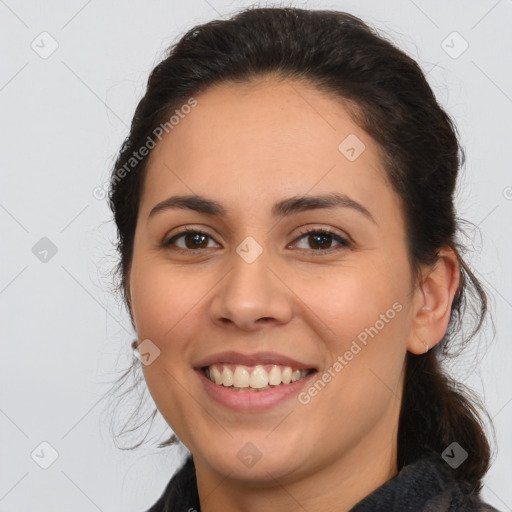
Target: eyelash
x: 344, y: 242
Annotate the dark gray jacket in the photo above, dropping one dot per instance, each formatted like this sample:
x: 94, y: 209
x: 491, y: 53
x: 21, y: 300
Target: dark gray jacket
x: 425, y: 485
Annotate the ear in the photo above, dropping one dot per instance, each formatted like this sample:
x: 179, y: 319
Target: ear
x: 129, y: 300
x: 433, y: 302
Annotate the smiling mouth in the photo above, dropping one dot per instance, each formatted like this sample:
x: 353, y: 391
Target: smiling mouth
x: 253, y: 378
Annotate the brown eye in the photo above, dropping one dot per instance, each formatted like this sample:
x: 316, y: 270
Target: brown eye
x: 318, y: 241
x: 322, y: 240
x: 192, y: 240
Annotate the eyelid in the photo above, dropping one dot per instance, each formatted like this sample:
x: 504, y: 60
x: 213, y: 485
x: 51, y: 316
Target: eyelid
x: 325, y: 229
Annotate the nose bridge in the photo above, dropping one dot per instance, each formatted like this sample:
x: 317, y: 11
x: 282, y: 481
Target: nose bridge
x: 251, y: 291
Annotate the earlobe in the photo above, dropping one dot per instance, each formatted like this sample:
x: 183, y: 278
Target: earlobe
x: 433, y: 304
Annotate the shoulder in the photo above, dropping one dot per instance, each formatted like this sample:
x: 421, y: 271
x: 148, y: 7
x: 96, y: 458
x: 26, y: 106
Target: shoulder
x: 464, y: 499
x: 427, y: 484
x: 454, y: 495
x: 457, y: 499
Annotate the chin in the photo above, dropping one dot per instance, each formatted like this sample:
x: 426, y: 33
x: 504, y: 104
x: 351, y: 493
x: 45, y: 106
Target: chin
x: 255, y: 459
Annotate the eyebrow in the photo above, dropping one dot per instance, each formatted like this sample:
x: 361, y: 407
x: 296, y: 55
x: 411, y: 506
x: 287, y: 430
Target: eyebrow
x: 283, y: 208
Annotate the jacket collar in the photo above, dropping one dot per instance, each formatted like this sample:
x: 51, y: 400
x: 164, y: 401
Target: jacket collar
x: 427, y: 484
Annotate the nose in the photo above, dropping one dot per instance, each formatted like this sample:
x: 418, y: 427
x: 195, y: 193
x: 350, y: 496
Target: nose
x: 252, y: 295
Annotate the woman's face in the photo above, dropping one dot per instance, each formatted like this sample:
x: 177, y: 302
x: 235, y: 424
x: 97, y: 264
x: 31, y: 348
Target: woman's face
x: 255, y: 283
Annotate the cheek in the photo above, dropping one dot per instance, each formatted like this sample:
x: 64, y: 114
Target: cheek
x: 166, y: 304
x: 361, y: 317
x: 360, y: 322
x: 351, y: 300
x: 364, y: 326
x: 162, y: 300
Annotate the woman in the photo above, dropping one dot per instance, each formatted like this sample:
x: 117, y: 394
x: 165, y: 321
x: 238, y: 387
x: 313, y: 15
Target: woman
x: 284, y: 205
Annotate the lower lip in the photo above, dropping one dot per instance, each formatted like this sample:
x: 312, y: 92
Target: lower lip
x: 252, y: 401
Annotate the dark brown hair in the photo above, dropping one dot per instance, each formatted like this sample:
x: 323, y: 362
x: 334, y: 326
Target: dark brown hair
x: 389, y: 97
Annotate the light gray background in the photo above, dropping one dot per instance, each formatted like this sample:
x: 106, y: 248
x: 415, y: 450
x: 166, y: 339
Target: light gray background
x: 64, y: 336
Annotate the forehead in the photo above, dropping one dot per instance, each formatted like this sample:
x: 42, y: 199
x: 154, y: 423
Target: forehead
x: 264, y: 140
x: 266, y: 117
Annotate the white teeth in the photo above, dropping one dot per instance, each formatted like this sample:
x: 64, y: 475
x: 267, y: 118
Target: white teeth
x: 227, y: 377
x: 241, y: 377
x: 274, y: 377
x: 296, y: 375
x: 287, y: 375
x: 257, y: 379
x: 217, y: 377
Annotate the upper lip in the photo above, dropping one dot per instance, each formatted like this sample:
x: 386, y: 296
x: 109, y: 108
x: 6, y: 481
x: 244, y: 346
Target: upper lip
x: 256, y: 358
